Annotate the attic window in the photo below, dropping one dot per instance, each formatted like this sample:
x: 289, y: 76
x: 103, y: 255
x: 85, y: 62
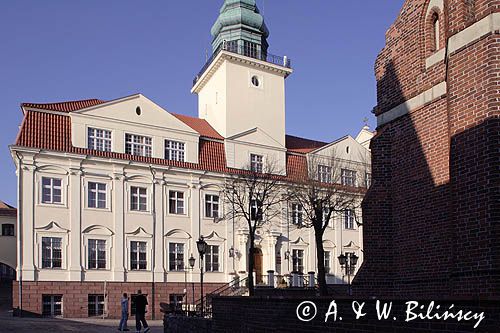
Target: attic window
x: 347, y: 149
x: 138, y: 110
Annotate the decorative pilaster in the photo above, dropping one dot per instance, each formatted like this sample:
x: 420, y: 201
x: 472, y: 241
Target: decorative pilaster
x: 119, y: 200
x: 75, y: 207
x: 27, y: 191
x: 159, y: 231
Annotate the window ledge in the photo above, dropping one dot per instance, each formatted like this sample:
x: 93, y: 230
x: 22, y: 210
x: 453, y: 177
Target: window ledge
x: 434, y: 58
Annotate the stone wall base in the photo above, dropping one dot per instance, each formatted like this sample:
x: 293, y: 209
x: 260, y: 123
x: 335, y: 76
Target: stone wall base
x: 75, y: 295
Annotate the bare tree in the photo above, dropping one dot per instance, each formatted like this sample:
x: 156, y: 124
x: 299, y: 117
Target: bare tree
x: 329, y: 189
x: 254, y: 196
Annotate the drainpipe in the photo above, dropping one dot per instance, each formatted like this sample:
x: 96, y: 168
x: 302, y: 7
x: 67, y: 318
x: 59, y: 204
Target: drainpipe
x: 19, y: 233
x: 153, y: 210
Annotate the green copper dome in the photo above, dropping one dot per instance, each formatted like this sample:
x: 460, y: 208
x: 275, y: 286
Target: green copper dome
x: 240, y: 21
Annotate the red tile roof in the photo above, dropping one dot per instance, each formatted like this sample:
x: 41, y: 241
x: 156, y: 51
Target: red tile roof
x: 301, y: 145
x: 50, y: 131
x: 7, y: 210
x: 64, y: 106
x: 199, y: 125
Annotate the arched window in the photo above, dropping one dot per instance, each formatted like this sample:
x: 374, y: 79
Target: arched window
x: 435, y: 26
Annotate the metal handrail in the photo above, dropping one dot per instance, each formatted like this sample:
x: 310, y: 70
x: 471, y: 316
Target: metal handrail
x: 245, y: 50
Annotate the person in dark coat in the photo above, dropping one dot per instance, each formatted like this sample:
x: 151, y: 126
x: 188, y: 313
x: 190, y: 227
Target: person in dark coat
x: 140, y: 312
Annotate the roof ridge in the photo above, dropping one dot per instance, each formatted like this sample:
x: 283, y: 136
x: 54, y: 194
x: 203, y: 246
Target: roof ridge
x: 64, y: 102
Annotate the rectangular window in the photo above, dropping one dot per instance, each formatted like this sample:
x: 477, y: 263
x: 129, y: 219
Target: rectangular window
x: 99, y: 139
x: 368, y: 180
x: 211, y: 206
x: 52, y: 305
x: 176, y: 202
x: 212, y: 258
x: 348, y: 177
x: 97, y: 254
x: 96, y: 195
x: 174, y: 151
x: 138, y: 199
x: 250, y: 49
x: 96, y: 305
x: 138, y: 256
x: 176, y: 256
x: 138, y: 145
x: 327, y: 262
x: 256, y: 210
x: 348, y: 219
x: 297, y: 214
x: 51, y: 252
x: 326, y: 220
x: 298, y: 260
x: 232, y: 46
x: 51, y: 190
x: 352, y: 269
x: 324, y: 174
x: 256, y: 163
x: 7, y: 230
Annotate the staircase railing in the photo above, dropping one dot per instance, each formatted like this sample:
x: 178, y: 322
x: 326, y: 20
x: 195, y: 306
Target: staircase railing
x: 236, y: 287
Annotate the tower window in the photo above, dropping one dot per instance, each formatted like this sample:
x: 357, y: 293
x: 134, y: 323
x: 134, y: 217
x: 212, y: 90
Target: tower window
x: 255, y: 81
x: 435, y: 22
x: 138, y: 110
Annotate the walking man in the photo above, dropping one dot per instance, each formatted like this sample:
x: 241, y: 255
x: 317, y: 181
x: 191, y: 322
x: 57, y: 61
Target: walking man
x: 123, y: 322
x: 140, y: 312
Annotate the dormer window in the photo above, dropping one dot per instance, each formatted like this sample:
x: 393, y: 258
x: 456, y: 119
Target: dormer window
x: 138, y: 145
x: 99, y: 139
x: 256, y: 163
x: 174, y: 151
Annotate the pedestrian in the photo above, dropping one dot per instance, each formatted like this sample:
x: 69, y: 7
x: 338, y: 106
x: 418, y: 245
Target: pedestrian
x: 123, y: 322
x: 140, y: 312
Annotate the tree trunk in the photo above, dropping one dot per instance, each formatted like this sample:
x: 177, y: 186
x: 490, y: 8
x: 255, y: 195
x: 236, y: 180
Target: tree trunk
x: 320, y: 254
x: 251, y: 264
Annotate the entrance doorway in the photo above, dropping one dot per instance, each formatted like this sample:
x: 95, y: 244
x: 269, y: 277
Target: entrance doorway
x: 257, y: 256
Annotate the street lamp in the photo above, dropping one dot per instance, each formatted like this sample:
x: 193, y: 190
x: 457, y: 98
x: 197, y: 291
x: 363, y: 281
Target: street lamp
x: 202, y: 248
x: 348, y: 263
x: 191, y: 261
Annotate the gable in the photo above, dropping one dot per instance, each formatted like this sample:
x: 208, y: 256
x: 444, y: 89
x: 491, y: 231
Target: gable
x: 255, y: 136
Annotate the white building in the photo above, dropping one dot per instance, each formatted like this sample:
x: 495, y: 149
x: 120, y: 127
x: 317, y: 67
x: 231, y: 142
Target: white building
x: 114, y: 194
x: 7, y: 242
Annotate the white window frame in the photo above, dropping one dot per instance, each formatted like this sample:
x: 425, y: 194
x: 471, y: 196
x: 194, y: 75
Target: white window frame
x: 135, y: 192
x: 297, y: 214
x: 208, y: 260
x: 96, y: 304
x: 177, y: 200
x: 52, y: 303
x: 138, y: 255
x: 328, y: 261
x: 176, y: 253
x: 139, y: 148
x: 368, y: 179
x: 51, y: 187
x: 325, y: 173
x: 256, y: 163
x: 212, y: 203
x: 51, y: 259
x: 97, y: 191
x: 106, y: 254
x: 103, y: 141
x: 348, y: 219
x: 348, y: 180
x: 303, y: 260
x: 175, y: 150
x: 53, y: 232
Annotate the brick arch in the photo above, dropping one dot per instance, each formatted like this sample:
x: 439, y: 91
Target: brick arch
x: 429, y: 31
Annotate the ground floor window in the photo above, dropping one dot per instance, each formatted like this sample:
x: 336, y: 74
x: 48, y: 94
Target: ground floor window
x: 96, y: 305
x: 52, y: 305
x: 298, y: 261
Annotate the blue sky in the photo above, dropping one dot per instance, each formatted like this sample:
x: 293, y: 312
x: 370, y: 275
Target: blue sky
x: 58, y: 50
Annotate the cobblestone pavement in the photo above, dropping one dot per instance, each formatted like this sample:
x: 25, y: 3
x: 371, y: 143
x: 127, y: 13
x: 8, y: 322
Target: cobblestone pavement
x: 21, y: 325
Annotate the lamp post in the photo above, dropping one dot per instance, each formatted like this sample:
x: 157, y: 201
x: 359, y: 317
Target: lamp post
x: 192, y: 260
x: 348, y: 262
x: 180, y: 265
x: 202, y: 248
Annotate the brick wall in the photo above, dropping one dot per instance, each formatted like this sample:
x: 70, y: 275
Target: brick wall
x: 75, y: 295
x: 431, y: 217
x: 254, y: 314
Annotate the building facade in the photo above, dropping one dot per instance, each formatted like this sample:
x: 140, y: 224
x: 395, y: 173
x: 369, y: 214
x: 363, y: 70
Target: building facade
x: 8, y: 255
x: 114, y: 194
x: 432, y: 214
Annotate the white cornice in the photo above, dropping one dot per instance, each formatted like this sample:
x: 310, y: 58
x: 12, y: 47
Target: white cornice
x: 225, y: 55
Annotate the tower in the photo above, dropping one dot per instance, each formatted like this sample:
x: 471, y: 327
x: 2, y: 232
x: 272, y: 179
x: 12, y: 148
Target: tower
x: 241, y: 89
